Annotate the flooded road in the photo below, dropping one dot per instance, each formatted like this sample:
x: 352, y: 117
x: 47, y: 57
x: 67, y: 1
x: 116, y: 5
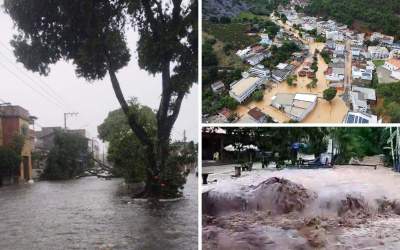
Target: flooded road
x: 89, y: 214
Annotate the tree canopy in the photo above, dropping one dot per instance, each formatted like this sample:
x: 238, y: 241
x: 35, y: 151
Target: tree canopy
x: 69, y: 158
x: 125, y: 151
x: 329, y: 94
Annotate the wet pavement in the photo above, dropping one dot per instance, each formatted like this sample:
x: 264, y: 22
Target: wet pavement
x: 89, y: 214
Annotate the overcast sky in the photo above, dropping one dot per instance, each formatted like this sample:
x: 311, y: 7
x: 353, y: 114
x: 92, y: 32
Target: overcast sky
x: 93, y: 100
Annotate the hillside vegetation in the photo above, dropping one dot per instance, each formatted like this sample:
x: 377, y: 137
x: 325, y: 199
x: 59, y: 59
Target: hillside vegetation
x: 231, y: 8
x: 376, y: 15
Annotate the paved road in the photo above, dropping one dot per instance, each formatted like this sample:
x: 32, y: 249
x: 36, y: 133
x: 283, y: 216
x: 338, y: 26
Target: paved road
x: 348, y: 59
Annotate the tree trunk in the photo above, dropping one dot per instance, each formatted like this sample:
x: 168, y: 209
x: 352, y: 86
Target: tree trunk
x: 152, y: 170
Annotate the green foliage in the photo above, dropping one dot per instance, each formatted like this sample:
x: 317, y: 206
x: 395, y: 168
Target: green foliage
x: 329, y: 94
x: 281, y: 54
x: 314, y: 66
x: 171, y: 179
x: 68, y: 158
x: 10, y: 156
x: 351, y: 142
x: 390, y: 93
x: 291, y: 80
x: 279, y: 140
x: 233, y: 33
x: 128, y: 154
x: 312, y: 84
x: 17, y: 143
x: 10, y: 161
x: 258, y: 95
x: 225, y: 20
x: 229, y: 102
x: 208, y: 56
x: 228, y: 48
x: 326, y: 56
x: 375, y: 80
x: 211, y: 103
x: 377, y: 15
x: 358, y: 142
x: 378, y: 63
x: 283, y: 18
x: 125, y: 150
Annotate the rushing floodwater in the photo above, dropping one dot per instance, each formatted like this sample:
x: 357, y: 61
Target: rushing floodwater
x: 88, y: 214
x: 354, y: 230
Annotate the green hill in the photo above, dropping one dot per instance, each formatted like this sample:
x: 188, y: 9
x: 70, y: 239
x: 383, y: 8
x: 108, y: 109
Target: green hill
x: 372, y: 15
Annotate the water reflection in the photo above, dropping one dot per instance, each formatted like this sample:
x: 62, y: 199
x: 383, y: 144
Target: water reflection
x: 88, y: 214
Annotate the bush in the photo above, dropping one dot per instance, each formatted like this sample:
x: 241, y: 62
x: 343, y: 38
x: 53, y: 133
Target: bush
x: 258, y: 95
x: 68, y: 158
x: 228, y: 102
x: 9, y: 161
x: 326, y: 56
x: 329, y: 94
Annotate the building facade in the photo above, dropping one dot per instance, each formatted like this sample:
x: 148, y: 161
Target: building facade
x: 15, y: 121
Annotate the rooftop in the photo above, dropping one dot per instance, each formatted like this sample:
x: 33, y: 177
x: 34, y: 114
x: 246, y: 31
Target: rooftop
x: 243, y: 85
x: 256, y: 113
x: 395, y: 62
x: 14, y: 111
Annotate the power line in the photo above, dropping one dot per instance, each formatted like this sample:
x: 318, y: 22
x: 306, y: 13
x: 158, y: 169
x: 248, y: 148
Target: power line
x: 57, y: 99
x: 39, y: 79
x: 27, y: 84
x: 30, y: 78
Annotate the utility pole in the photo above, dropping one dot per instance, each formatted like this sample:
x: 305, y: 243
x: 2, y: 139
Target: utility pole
x: 66, y: 115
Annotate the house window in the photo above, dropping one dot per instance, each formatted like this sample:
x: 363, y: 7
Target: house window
x: 24, y: 130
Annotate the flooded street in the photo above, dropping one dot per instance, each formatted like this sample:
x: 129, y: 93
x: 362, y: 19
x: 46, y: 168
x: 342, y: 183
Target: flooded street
x: 347, y: 207
x: 324, y: 112
x: 89, y: 214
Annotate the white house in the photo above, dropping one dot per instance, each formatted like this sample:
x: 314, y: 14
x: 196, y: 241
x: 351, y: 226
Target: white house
x: 259, y: 71
x: 218, y: 87
x: 242, y: 89
x: 359, y: 73
x: 256, y: 59
x: 360, y: 118
x: 376, y: 36
x: 265, y: 40
x: 339, y: 48
x: 377, y: 52
x: 393, y: 65
x: 243, y: 54
x: 296, y: 106
x: 361, y: 98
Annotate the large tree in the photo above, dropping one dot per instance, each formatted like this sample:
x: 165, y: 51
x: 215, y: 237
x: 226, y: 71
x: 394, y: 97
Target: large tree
x: 92, y: 35
x: 69, y: 158
x: 125, y: 151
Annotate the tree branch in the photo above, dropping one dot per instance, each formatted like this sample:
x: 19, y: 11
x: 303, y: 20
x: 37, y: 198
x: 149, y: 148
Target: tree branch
x: 175, y: 111
x: 132, y: 119
x: 166, y: 94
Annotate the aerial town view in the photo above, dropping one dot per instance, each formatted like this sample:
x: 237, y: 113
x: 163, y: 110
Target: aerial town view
x: 305, y: 61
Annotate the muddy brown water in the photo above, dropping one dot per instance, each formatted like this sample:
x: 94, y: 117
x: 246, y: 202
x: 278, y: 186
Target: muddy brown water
x: 89, y: 214
x: 344, y: 214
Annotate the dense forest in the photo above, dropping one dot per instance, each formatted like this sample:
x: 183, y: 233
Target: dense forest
x: 375, y: 15
x: 231, y: 8
x: 390, y: 93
